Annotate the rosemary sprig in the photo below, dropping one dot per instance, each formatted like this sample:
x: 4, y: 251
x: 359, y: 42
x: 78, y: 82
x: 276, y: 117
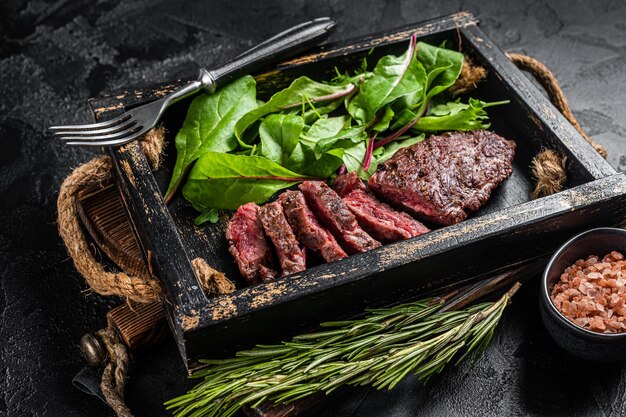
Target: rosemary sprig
x: 379, y: 350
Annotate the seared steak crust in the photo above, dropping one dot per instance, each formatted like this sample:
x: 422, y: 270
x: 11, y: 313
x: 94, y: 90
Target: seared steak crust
x: 377, y: 218
x: 334, y: 214
x: 445, y: 177
x: 307, y: 228
x: 248, y: 246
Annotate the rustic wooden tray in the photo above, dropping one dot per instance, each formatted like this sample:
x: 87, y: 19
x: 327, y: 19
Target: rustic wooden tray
x: 509, y: 229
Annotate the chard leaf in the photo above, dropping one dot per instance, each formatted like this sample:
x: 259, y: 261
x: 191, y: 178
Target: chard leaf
x: 456, y: 116
x: 210, y: 125
x: 385, y: 152
x: 393, y: 77
x: 280, y: 134
x: 226, y: 181
x: 301, y: 91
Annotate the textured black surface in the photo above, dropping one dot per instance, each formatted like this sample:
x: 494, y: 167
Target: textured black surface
x: 55, y: 56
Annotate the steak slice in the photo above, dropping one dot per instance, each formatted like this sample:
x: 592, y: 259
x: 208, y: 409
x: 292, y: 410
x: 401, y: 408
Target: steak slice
x: 445, y: 177
x: 290, y: 256
x: 308, y: 229
x: 248, y: 246
x: 377, y: 218
x: 330, y: 209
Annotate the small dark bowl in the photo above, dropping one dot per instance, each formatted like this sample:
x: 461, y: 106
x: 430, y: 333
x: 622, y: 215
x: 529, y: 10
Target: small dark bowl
x: 582, y: 343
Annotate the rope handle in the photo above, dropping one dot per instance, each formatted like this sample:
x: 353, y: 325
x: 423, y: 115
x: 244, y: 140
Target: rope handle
x: 143, y: 289
x: 549, y: 167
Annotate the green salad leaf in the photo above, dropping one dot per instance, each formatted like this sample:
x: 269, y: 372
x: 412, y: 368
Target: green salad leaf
x: 302, y: 91
x: 210, y: 125
x: 455, y: 115
x: 393, y: 77
x: 239, y: 149
x: 227, y: 181
x: 280, y: 135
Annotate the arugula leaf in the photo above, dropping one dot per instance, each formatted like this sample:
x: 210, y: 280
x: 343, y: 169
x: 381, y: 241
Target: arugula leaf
x: 210, y: 125
x: 226, y: 181
x: 384, y: 153
x: 455, y: 115
x: 301, y: 91
x: 393, y: 77
x: 280, y: 134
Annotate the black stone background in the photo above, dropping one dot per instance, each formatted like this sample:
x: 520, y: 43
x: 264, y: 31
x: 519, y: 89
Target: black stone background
x: 54, y: 56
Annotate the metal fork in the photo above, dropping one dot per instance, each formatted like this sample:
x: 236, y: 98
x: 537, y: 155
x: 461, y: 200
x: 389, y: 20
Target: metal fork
x: 135, y: 122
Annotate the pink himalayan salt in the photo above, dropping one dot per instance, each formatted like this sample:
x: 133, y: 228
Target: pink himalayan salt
x: 592, y: 293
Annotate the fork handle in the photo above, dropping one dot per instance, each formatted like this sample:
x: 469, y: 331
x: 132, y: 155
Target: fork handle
x: 288, y: 43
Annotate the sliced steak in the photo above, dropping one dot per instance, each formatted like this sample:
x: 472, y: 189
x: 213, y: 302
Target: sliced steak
x: 330, y: 209
x: 290, y: 256
x: 248, y: 246
x: 308, y: 229
x: 445, y: 177
x: 377, y: 218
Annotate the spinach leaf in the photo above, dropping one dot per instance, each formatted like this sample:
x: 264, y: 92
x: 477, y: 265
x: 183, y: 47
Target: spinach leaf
x: 442, y: 67
x: 393, y: 77
x: 324, y: 128
x: 301, y: 91
x: 280, y: 134
x: 210, y: 125
x: 456, y: 116
x: 382, y: 123
x: 211, y: 216
x: 226, y: 181
x: 355, y: 134
x: 322, y: 166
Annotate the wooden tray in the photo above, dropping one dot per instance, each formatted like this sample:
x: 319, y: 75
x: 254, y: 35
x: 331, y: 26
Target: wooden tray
x: 509, y: 229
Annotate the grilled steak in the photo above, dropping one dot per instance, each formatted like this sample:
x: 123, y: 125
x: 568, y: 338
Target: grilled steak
x: 248, y: 245
x: 447, y: 176
x: 290, y: 256
x: 307, y: 228
x: 334, y: 214
x: 377, y: 218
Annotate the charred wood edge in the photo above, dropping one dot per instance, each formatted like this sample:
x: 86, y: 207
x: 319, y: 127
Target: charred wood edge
x: 142, y: 198
x: 457, y: 300
x: 561, y: 135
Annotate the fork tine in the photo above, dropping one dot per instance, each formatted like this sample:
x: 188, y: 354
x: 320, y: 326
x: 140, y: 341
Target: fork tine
x: 87, y: 133
x: 99, y: 138
x: 106, y: 123
x: 111, y: 142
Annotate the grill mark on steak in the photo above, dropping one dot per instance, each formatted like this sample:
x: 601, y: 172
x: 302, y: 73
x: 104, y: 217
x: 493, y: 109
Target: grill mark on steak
x: 377, y: 218
x: 307, y: 228
x: 445, y: 177
x: 330, y: 209
x: 290, y: 256
x: 248, y: 246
